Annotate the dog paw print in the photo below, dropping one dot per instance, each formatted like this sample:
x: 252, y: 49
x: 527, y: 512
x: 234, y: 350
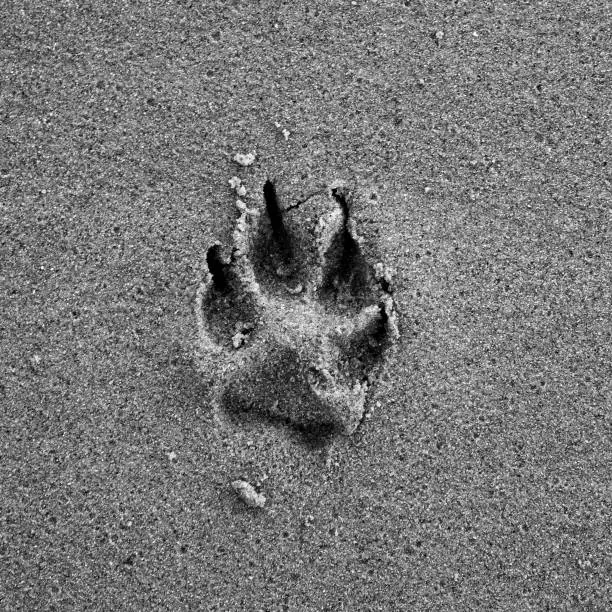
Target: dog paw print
x: 293, y: 319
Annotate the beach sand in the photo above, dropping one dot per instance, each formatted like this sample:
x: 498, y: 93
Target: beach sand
x: 480, y: 478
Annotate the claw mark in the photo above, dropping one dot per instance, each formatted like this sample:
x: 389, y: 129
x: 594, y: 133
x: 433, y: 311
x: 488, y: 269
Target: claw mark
x: 276, y: 220
x: 340, y: 195
x: 344, y: 262
x: 217, y: 267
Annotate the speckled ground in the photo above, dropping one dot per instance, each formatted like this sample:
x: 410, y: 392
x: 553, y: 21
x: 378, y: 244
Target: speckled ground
x: 483, y: 480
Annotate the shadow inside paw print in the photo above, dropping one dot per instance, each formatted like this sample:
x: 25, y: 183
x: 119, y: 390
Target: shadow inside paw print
x: 294, y: 318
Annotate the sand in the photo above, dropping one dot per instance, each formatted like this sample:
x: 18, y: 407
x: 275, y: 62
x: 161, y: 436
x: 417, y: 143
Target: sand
x: 479, y: 477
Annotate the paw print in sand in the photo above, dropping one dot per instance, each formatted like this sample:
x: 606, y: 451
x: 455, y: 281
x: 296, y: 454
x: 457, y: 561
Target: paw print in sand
x: 293, y: 318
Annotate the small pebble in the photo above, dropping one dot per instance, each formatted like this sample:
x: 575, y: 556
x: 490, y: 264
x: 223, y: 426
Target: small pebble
x: 247, y: 493
x: 245, y: 159
x: 235, y: 182
x: 238, y: 340
x: 382, y: 272
x: 285, y: 132
x: 243, y: 208
x: 35, y: 362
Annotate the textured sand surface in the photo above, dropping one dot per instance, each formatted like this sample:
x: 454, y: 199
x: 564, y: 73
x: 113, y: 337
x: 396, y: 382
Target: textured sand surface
x: 482, y: 479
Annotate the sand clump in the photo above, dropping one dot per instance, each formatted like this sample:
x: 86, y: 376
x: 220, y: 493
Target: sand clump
x: 247, y: 493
